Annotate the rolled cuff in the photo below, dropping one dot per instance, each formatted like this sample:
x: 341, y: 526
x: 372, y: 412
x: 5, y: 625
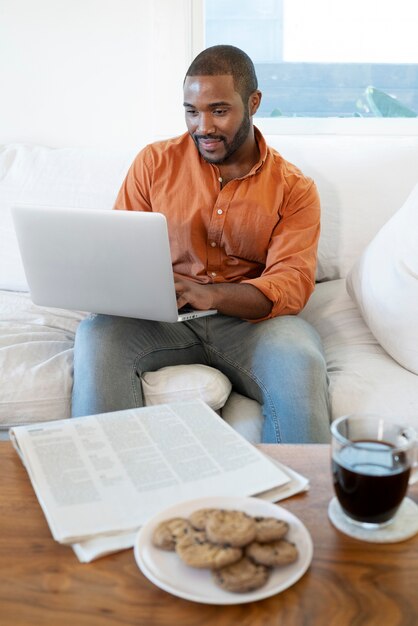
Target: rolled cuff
x: 282, y: 304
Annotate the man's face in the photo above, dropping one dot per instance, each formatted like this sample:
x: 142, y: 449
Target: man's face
x: 216, y: 117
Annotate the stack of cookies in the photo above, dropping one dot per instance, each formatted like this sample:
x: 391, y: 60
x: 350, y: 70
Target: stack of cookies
x: 240, y: 549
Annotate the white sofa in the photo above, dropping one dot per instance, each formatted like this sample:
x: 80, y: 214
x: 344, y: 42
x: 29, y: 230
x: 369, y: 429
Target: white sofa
x: 363, y: 181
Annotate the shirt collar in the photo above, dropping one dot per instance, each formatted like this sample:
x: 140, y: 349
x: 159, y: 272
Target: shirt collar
x: 262, y: 146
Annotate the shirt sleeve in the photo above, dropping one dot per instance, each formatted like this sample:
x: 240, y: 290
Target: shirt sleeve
x: 289, y: 275
x: 135, y: 192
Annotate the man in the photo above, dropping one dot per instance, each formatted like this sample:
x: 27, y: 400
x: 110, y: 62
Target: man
x: 244, y: 227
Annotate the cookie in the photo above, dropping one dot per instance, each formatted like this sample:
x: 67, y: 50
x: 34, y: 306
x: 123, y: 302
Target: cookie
x: 199, y: 518
x: 234, y: 528
x: 280, y: 552
x: 167, y: 533
x: 270, y: 529
x: 195, y: 550
x: 242, y: 576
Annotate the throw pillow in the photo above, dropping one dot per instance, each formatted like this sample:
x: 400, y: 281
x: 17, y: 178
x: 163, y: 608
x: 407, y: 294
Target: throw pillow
x: 384, y: 284
x: 177, y: 383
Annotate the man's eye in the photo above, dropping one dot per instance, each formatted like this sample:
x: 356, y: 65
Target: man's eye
x: 219, y: 111
x: 190, y: 112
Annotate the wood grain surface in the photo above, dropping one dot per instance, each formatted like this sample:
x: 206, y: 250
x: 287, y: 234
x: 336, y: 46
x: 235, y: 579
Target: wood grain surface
x: 349, y: 583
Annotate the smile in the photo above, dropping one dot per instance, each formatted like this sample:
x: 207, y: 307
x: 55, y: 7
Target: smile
x: 209, y: 144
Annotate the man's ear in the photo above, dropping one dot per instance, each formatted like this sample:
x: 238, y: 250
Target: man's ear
x: 254, y: 102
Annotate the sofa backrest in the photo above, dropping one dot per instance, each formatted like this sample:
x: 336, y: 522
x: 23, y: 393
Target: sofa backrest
x: 67, y: 177
x: 362, y: 181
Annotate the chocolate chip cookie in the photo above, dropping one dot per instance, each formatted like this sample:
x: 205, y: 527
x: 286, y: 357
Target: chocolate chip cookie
x: 199, y: 518
x: 195, y: 550
x: 242, y: 576
x: 234, y: 528
x: 280, y: 552
x: 167, y: 533
x: 270, y: 529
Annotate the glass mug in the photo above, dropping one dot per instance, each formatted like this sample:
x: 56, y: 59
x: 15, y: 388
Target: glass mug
x: 373, y: 461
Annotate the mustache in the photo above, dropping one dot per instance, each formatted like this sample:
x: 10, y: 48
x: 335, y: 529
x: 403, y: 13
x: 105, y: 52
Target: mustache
x: 216, y: 137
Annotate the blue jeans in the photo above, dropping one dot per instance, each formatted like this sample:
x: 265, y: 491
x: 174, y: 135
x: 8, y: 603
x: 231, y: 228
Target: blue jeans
x: 278, y: 362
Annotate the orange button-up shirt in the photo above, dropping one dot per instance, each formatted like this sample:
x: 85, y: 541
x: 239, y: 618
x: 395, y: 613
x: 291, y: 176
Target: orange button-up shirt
x: 261, y: 229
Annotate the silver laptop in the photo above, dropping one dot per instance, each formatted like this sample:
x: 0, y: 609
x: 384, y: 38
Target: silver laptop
x: 100, y: 261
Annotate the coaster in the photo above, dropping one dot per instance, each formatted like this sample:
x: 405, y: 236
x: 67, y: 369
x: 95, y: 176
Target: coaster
x: 404, y: 525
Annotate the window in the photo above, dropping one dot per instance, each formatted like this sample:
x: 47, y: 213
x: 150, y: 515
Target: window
x: 322, y: 58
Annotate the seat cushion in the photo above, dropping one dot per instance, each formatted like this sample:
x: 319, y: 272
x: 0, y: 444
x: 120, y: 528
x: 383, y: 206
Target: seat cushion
x: 36, y: 360
x: 363, y: 376
x: 244, y: 415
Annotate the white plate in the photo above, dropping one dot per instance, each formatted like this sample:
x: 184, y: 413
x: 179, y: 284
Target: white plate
x: 167, y: 571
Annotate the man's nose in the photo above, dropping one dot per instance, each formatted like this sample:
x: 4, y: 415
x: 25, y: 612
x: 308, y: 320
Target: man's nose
x: 206, y: 125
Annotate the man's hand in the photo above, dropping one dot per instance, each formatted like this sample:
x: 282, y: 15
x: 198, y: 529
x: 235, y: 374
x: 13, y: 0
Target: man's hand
x: 235, y: 299
x: 193, y: 294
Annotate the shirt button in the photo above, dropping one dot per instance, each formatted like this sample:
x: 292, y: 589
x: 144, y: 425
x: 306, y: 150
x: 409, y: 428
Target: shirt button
x: 213, y: 273
x: 213, y: 244
x: 219, y: 211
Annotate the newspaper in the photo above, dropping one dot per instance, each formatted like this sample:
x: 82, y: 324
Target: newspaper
x: 99, y: 478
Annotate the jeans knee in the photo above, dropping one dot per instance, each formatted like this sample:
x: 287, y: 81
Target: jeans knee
x: 315, y: 359
x: 96, y: 336
x: 305, y: 349
x: 310, y: 369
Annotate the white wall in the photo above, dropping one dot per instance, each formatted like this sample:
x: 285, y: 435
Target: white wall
x: 109, y: 73
x: 92, y: 72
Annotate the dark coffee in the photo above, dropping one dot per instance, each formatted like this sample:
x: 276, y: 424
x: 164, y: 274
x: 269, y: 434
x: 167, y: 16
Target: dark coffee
x: 370, y: 483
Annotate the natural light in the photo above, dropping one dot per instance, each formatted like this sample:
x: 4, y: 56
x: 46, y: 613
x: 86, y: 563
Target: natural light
x: 325, y: 58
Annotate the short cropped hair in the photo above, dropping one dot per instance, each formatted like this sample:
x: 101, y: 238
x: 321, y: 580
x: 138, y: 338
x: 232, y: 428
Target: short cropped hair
x: 224, y: 59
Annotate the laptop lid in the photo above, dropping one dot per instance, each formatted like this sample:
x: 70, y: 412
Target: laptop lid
x: 101, y: 261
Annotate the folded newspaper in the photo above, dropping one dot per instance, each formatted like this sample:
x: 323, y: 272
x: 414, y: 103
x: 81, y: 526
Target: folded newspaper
x: 99, y: 478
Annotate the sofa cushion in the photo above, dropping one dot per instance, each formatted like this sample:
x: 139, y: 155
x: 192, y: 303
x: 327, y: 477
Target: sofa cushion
x: 36, y: 360
x: 36, y: 175
x: 362, y: 180
x: 186, y: 382
x: 245, y: 416
x: 384, y: 284
x: 363, y: 377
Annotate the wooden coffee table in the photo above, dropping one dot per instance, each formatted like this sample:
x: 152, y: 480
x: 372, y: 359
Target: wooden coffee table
x: 349, y: 582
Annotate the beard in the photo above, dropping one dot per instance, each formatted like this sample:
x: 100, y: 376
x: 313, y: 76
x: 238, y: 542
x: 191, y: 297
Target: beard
x: 231, y: 147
